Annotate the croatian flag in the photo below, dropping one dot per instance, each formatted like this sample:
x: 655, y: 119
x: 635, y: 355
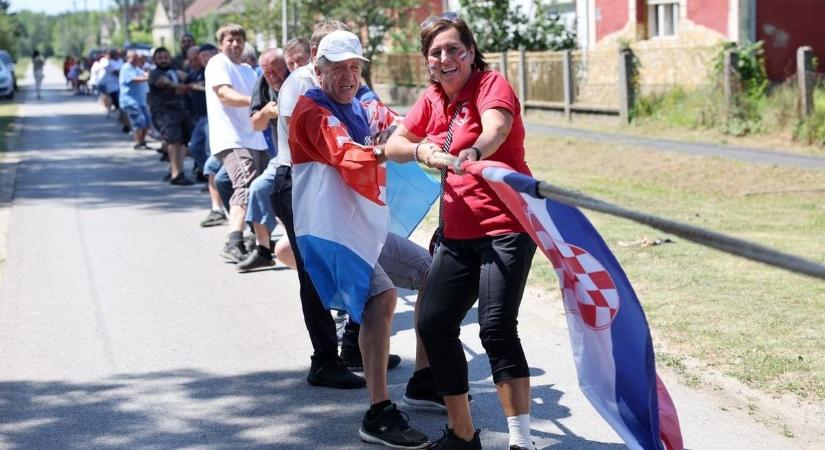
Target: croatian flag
x: 345, y: 202
x: 610, y: 338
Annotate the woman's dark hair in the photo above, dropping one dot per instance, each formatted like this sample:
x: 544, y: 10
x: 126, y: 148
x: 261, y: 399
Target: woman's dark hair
x: 439, y: 25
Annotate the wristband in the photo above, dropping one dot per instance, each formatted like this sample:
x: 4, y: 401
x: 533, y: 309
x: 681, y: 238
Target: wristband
x: 478, y: 153
x: 415, y: 153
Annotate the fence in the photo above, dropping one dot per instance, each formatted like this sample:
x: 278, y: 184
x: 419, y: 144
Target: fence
x: 600, y: 80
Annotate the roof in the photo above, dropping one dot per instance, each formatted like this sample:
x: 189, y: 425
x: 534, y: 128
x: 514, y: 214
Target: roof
x: 201, y: 8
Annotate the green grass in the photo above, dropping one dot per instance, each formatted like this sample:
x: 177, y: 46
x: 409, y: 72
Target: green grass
x: 22, y: 67
x: 761, y: 325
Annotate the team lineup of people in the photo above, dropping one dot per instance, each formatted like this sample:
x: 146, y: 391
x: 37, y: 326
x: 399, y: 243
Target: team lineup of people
x: 467, y: 111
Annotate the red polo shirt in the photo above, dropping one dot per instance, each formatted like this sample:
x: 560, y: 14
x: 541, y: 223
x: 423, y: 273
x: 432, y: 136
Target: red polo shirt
x: 471, y: 208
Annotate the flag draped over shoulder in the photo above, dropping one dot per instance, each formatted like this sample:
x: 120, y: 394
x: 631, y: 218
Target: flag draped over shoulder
x: 345, y: 202
x: 609, y: 335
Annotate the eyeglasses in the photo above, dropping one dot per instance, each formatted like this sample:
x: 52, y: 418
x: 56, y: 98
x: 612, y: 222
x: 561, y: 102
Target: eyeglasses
x: 450, y: 16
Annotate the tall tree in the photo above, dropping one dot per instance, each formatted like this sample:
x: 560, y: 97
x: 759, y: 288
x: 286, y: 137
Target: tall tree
x: 499, y: 27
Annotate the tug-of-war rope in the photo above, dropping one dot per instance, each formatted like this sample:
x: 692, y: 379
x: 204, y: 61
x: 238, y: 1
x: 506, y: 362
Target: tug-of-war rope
x: 701, y: 236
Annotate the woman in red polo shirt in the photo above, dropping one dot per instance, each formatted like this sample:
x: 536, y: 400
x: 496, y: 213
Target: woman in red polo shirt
x: 485, y: 254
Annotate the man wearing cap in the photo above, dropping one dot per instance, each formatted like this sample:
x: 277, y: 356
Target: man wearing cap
x: 327, y: 121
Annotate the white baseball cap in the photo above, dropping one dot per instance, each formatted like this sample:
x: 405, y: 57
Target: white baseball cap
x: 339, y: 46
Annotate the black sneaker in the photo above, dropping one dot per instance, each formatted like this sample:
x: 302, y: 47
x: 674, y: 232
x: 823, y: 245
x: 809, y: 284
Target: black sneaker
x: 391, y: 428
x: 422, y: 392
x: 332, y: 373
x: 352, y: 359
x: 256, y: 260
x: 142, y: 146
x: 181, y: 180
x: 214, y: 218
x: 234, y: 251
x: 200, y: 177
x: 452, y: 442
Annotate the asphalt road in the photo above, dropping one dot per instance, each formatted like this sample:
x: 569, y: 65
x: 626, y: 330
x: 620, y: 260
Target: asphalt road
x: 122, y: 328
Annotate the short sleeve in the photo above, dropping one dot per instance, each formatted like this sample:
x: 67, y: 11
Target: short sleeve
x: 217, y: 73
x: 259, y: 96
x: 495, y: 92
x: 417, y: 118
x: 290, y: 92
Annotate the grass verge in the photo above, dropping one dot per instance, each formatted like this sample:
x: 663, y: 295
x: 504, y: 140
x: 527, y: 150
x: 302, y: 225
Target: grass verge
x: 8, y: 111
x: 761, y: 325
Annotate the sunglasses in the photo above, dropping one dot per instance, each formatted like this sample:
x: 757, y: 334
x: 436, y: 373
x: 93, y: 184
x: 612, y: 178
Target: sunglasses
x: 449, y: 16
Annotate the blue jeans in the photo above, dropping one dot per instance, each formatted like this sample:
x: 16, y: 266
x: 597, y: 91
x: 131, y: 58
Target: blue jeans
x: 259, y: 208
x: 199, y: 143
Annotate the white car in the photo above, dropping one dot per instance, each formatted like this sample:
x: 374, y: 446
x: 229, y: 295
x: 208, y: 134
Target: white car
x: 6, y: 59
x: 6, y: 81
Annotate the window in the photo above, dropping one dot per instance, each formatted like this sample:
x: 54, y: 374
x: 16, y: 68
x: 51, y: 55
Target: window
x: 662, y: 18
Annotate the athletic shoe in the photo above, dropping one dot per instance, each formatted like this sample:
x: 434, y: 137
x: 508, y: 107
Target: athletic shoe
x: 256, y: 260
x: 200, y: 177
x: 391, y: 428
x: 341, y: 319
x: 142, y: 146
x: 214, y: 218
x: 421, y: 391
x: 250, y: 242
x: 234, y: 251
x: 352, y: 359
x: 452, y: 442
x: 518, y: 447
x: 332, y: 373
x: 181, y: 180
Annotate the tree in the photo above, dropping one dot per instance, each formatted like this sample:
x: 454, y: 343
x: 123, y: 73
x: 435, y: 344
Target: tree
x: 499, y: 27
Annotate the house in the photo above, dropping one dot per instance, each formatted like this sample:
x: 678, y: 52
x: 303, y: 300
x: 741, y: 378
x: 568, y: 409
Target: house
x: 169, y: 22
x: 662, y: 24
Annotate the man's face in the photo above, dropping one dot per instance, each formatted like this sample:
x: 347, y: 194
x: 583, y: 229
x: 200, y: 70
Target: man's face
x: 193, y: 59
x: 340, y: 80
x: 163, y: 60
x: 186, y: 42
x: 132, y: 58
x: 232, y: 46
x: 275, y: 71
x: 206, y: 55
x: 295, y: 59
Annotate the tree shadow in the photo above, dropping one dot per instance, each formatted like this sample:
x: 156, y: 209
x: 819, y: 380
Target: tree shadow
x: 192, y: 408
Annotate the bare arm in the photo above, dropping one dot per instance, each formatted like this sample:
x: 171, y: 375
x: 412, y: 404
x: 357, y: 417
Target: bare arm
x: 230, y: 97
x: 402, y: 145
x: 260, y: 119
x: 495, y: 127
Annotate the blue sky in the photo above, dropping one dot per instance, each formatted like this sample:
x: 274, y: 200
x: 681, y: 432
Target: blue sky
x: 57, y: 6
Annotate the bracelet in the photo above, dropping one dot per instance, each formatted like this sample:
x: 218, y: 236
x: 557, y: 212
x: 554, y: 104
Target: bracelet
x: 478, y: 153
x: 415, y: 153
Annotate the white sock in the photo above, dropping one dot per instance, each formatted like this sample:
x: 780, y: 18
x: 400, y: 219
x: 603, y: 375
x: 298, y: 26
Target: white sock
x: 520, y: 430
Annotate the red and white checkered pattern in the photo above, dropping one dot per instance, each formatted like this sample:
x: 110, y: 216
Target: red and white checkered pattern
x: 587, y: 288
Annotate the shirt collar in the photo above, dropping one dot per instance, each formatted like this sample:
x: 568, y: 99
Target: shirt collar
x: 463, y: 95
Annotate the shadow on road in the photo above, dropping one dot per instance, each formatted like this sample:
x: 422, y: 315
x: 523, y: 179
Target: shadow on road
x: 189, y: 408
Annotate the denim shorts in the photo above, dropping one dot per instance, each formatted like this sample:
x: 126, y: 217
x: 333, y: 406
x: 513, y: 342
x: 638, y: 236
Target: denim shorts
x: 138, y: 116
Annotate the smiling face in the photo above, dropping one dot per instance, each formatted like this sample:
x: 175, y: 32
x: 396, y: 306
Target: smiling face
x: 340, y: 80
x: 162, y: 60
x: 232, y: 46
x: 450, y: 61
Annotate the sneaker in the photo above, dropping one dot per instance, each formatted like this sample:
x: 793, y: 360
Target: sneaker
x: 142, y: 146
x: 200, y: 177
x: 518, y: 447
x: 452, y: 442
x: 234, y: 252
x: 332, y: 373
x: 214, y: 218
x: 181, y: 180
x: 352, y: 359
x: 250, y: 242
x: 341, y: 319
x: 421, y: 391
x: 256, y: 260
x: 391, y: 428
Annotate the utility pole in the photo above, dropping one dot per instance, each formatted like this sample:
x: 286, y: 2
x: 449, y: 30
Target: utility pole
x: 284, y: 25
x: 126, y: 39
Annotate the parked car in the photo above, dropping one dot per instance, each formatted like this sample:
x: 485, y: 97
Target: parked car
x: 6, y: 81
x: 143, y: 49
x: 6, y: 59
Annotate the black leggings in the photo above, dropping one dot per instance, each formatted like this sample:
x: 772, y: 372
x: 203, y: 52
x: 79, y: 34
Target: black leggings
x: 493, y: 270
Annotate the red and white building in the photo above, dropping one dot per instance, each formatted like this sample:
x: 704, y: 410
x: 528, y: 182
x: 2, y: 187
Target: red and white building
x: 784, y: 25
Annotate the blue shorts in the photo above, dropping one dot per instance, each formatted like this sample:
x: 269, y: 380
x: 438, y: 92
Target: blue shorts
x: 138, y: 116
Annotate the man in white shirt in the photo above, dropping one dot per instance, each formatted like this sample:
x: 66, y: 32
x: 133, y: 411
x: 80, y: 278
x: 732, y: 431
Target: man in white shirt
x: 229, y: 85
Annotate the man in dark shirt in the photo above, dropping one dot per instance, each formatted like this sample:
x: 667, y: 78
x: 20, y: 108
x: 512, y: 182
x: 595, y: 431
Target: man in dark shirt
x: 263, y: 113
x: 195, y: 102
x: 182, y: 61
x: 166, y: 94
